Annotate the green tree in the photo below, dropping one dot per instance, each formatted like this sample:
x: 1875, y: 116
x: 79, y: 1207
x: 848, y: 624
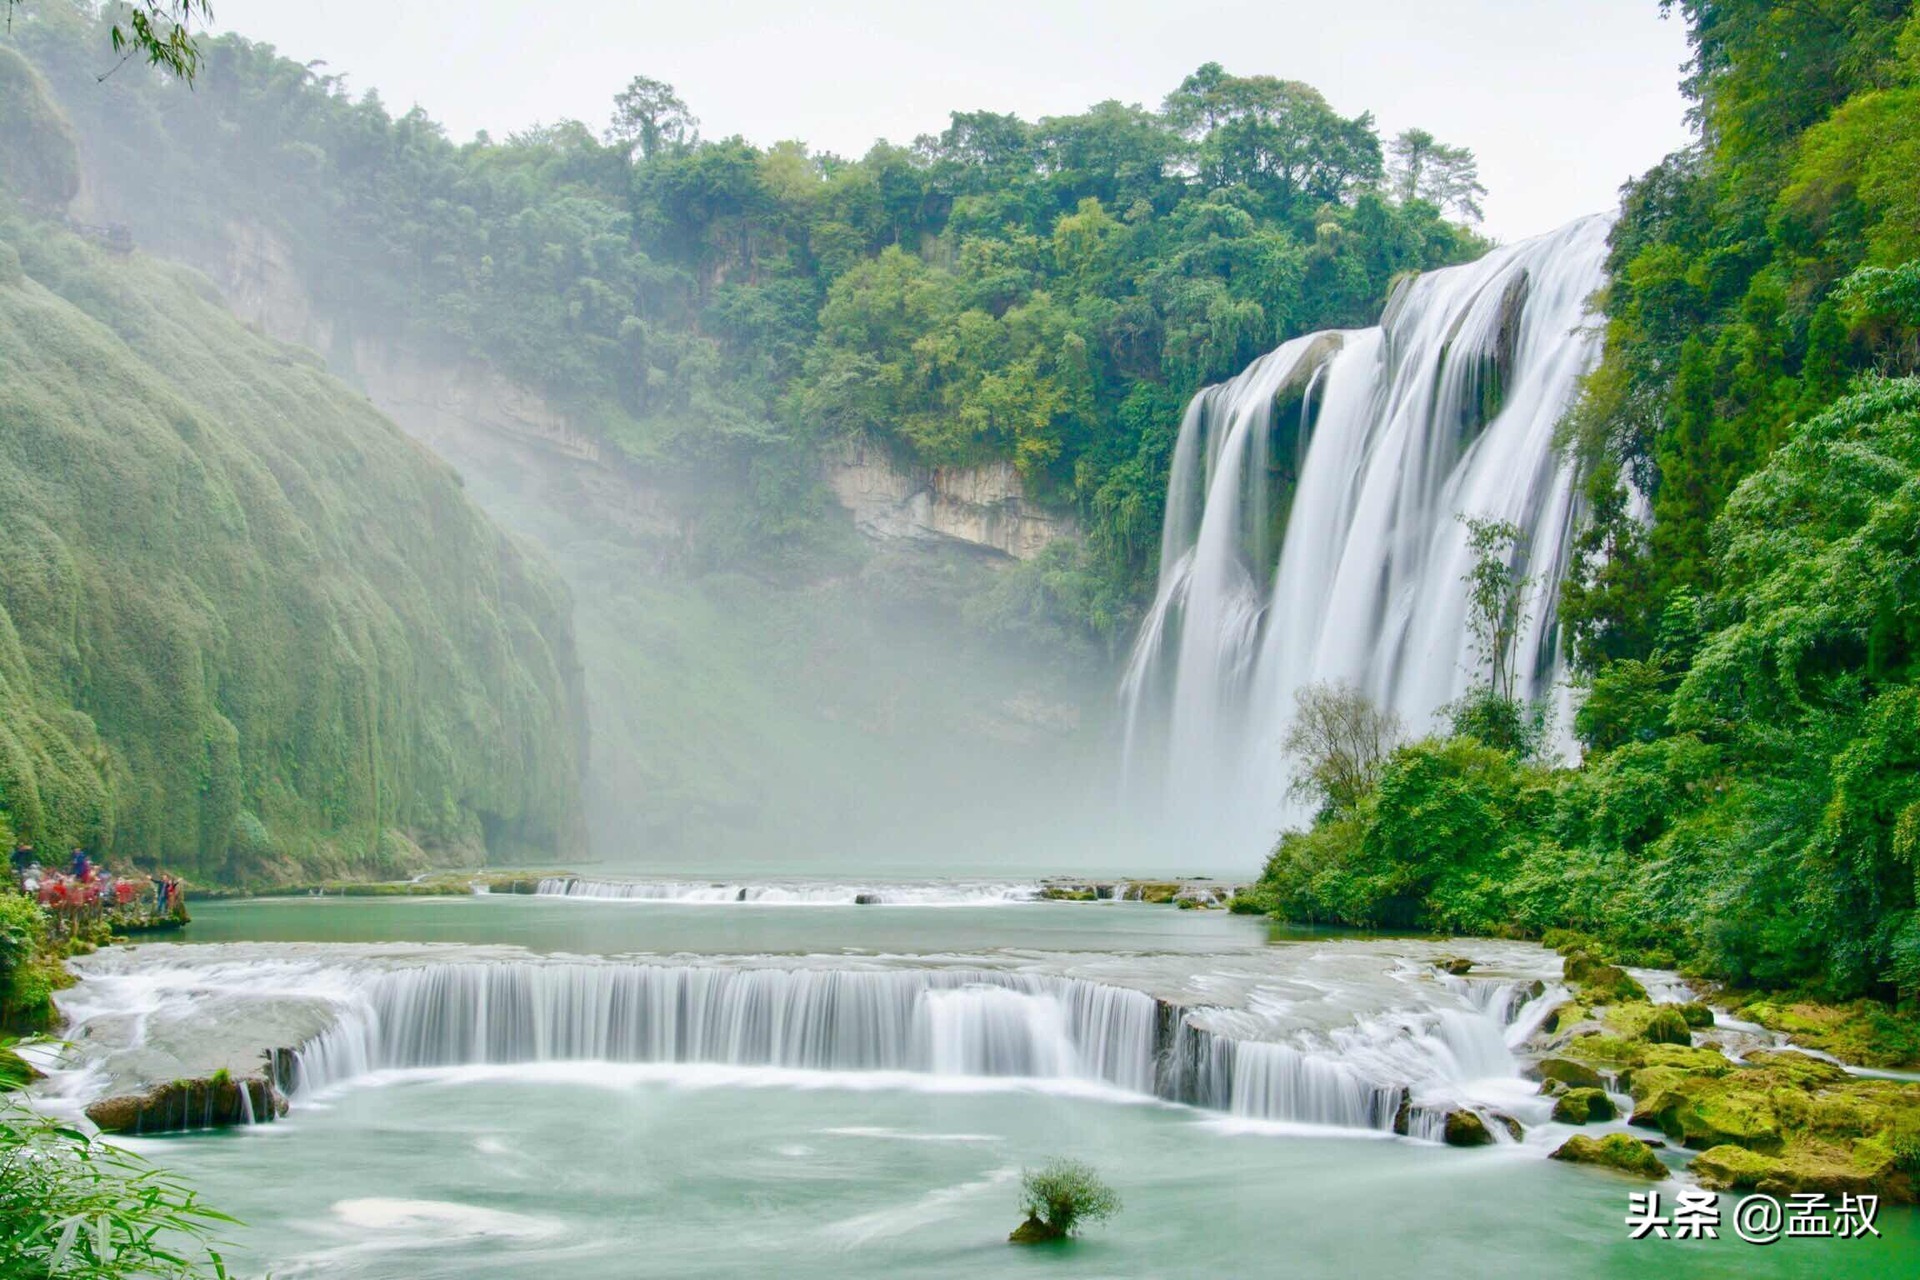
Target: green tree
x: 1420, y: 167
x: 1060, y: 1197
x: 649, y: 117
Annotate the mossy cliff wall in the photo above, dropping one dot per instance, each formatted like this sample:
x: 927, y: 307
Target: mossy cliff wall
x: 248, y: 628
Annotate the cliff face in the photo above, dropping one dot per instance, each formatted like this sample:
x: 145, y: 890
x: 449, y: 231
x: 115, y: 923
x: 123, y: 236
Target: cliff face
x: 247, y: 627
x: 984, y: 506
x: 468, y: 413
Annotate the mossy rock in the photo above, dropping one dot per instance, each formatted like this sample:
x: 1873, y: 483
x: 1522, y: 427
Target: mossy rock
x: 1697, y: 1015
x: 1799, y: 1068
x: 1601, y: 982
x: 1034, y: 1231
x: 1612, y: 1051
x: 1667, y: 1026
x: 1702, y: 1112
x: 1621, y: 1152
x: 1730, y: 1168
x: 1582, y: 1106
x: 1574, y: 1075
x: 1692, y: 1059
x: 1864, y: 1032
x: 1467, y: 1129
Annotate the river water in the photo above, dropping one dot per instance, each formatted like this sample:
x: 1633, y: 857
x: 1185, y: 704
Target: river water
x: 595, y: 1086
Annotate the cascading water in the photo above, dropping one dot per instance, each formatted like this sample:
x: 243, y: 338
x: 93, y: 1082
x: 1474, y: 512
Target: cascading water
x: 1302, y: 1038
x: 789, y: 893
x: 1365, y: 448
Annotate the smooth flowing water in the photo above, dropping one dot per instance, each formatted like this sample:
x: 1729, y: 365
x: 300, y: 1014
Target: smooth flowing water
x: 1313, y: 529
x: 605, y: 1107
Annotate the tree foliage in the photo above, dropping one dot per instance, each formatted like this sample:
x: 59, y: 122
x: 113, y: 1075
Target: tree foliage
x: 1341, y: 741
x: 1066, y: 1195
x: 79, y: 1208
x: 1041, y: 292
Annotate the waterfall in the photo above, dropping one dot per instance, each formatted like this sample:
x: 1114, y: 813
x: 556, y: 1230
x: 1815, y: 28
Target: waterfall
x: 952, y: 1023
x: 1312, y: 528
x: 789, y: 893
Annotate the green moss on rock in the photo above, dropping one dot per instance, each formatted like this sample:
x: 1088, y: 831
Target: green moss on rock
x: 1582, y: 1106
x: 1667, y: 1026
x: 1575, y: 1075
x: 1621, y: 1152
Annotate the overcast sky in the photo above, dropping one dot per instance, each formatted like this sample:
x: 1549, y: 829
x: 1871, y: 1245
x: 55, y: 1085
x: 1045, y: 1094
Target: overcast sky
x: 1562, y: 100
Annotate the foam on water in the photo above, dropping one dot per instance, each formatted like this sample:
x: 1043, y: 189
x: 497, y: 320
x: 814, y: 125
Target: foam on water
x: 791, y: 893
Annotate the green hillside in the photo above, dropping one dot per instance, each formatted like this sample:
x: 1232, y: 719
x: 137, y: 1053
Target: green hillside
x: 247, y: 628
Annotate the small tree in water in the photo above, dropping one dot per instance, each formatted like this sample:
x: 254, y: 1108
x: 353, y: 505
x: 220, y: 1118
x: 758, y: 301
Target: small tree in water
x: 1060, y: 1196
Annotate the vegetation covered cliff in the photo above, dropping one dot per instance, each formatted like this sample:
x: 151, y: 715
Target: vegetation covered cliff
x: 247, y: 627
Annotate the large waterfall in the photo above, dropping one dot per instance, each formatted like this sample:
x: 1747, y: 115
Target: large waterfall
x: 1313, y: 528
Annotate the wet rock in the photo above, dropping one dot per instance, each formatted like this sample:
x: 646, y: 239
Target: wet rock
x: 1034, y: 1231
x: 1403, y: 1114
x: 1574, y: 1075
x: 1583, y: 1106
x: 212, y: 1102
x: 1467, y: 1129
x: 1455, y: 965
x: 1618, y: 1151
x: 866, y: 899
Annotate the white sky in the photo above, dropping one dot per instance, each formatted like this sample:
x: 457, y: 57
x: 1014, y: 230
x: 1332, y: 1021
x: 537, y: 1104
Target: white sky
x: 1562, y: 100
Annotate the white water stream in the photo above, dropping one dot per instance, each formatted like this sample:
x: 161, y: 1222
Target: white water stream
x: 1313, y: 530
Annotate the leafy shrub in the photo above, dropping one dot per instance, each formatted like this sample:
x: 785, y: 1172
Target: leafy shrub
x: 73, y: 1207
x: 1064, y: 1194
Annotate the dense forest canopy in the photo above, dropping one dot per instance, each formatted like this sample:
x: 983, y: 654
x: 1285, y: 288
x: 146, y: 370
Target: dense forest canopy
x: 1749, y: 802
x: 1045, y: 291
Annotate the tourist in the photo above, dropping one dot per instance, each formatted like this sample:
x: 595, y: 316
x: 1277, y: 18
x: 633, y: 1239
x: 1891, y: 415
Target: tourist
x: 80, y: 865
x: 22, y: 859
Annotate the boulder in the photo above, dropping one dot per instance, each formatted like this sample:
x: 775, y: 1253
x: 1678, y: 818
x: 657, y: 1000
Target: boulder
x: 1581, y: 1106
x: 210, y: 1102
x: 1455, y: 965
x: 1621, y: 1152
x: 1696, y: 1014
x: 1730, y: 1168
x: 1667, y: 1026
x: 1467, y: 1129
x: 1599, y: 982
x: 1575, y: 1075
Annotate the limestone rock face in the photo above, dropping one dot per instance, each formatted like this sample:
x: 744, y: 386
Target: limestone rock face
x: 984, y: 506
x: 211, y: 1102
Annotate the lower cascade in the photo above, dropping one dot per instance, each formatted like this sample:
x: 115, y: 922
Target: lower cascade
x: 787, y: 894
x: 1313, y: 528
x: 937, y: 1022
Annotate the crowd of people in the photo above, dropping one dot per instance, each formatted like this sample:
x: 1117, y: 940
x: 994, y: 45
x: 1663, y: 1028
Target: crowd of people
x: 85, y: 887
